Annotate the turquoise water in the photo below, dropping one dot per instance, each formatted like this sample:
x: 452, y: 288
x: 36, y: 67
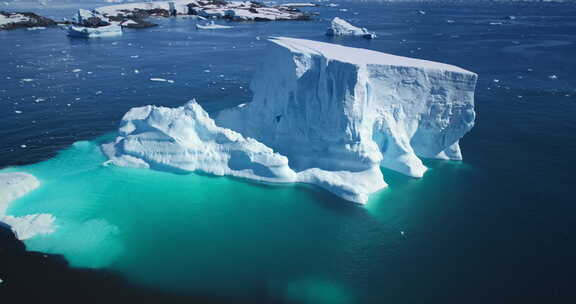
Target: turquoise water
x: 495, y: 228
x: 200, y: 234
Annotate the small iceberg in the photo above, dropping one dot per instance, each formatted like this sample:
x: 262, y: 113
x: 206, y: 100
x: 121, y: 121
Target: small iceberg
x: 89, y: 32
x: 341, y: 27
x: 212, y: 26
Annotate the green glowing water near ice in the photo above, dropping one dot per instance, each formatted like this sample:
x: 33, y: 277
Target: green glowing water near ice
x: 203, y: 233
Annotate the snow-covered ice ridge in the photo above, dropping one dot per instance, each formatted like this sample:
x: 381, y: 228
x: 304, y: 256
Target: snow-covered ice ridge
x: 234, y: 10
x: 14, y: 185
x: 322, y: 114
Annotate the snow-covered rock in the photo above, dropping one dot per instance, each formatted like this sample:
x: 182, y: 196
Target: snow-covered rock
x: 340, y: 27
x: 91, y: 18
x: 90, y: 32
x: 10, y: 21
x: 233, y: 10
x: 322, y: 114
x: 14, y: 185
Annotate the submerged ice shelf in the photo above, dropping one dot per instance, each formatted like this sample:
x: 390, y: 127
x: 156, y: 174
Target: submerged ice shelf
x: 14, y: 185
x: 322, y: 114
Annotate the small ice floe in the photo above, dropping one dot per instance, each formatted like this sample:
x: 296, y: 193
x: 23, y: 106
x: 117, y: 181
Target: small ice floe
x: 212, y: 26
x: 134, y: 56
x: 161, y: 80
x: 206, y: 71
x: 496, y: 80
x: 422, y: 12
x: 76, y: 70
x: 343, y: 9
x: 333, y: 5
x: 98, y: 92
x: 23, y: 146
x: 88, y: 32
x: 136, y: 72
x: 27, y: 80
x: 18, y: 112
x: 39, y: 99
x: 36, y: 28
x: 495, y: 23
x: 402, y: 232
x: 553, y: 77
x: 450, y: 21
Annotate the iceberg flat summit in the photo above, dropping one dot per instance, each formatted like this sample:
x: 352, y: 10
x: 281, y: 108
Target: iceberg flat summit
x: 322, y: 114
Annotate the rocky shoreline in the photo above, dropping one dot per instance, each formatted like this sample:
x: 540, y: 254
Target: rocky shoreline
x: 10, y: 21
x: 135, y: 15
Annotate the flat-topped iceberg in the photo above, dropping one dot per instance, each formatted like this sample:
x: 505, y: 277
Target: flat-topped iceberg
x: 341, y: 27
x: 322, y: 114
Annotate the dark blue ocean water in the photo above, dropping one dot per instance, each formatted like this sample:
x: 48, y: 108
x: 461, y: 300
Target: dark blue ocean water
x: 498, y: 227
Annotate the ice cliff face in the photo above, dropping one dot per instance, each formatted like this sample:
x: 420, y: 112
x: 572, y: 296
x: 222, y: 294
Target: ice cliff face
x: 323, y: 114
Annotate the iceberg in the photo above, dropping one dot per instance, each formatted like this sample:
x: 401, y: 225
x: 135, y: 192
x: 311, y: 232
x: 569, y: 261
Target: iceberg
x: 90, y: 32
x: 212, y: 26
x: 321, y: 114
x: 187, y: 139
x: 14, y: 185
x: 340, y: 27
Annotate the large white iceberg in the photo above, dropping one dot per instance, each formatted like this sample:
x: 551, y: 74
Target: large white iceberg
x: 14, y: 185
x: 322, y: 114
x: 341, y: 27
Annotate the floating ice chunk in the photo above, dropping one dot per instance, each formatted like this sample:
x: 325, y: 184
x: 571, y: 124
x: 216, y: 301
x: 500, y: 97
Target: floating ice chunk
x: 89, y: 32
x: 212, y: 26
x: 76, y: 70
x: 27, y: 80
x: 340, y: 27
x: 553, y: 77
x: 36, y: 28
x: 162, y: 80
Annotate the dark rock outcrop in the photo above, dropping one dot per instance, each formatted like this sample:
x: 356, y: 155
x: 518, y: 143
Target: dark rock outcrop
x: 32, y: 20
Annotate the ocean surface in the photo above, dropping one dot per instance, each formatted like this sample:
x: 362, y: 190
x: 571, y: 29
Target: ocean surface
x: 497, y: 227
